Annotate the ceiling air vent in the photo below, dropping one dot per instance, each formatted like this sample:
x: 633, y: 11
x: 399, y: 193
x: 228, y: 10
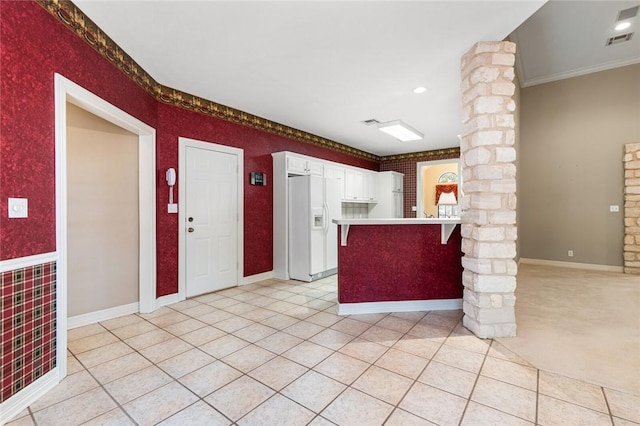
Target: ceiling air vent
x: 619, y: 39
x: 370, y: 122
x: 627, y: 13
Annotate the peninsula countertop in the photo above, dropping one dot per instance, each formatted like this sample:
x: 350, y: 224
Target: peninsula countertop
x: 400, y: 221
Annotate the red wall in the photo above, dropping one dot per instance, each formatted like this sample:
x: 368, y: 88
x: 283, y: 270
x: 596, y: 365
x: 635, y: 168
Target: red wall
x: 34, y: 47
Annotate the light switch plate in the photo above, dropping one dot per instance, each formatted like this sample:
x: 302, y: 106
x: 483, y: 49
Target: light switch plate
x: 414, y: 208
x: 18, y: 207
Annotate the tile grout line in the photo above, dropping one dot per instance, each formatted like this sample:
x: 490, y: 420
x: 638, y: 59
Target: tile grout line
x: 475, y: 382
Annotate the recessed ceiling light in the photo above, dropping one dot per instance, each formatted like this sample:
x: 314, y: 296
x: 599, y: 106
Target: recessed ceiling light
x: 419, y: 89
x: 623, y: 26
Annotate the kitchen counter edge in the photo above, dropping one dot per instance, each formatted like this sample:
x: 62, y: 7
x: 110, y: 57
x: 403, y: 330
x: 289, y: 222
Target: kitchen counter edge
x: 398, y: 221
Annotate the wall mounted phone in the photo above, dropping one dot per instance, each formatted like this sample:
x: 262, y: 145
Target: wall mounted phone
x: 171, y: 181
x: 171, y: 176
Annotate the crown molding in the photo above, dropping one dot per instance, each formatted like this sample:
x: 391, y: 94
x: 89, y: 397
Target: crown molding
x: 580, y: 72
x: 74, y: 19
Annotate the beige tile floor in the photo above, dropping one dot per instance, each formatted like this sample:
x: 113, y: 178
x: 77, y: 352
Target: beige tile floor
x: 275, y: 353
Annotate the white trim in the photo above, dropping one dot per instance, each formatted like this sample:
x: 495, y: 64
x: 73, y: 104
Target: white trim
x: 67, y: 91
x: 400, y: 306
x: 572, y: 265
x: 183, y: 143
x: 102, y: 315
x: 580, y: 71
x: 168, y: 300
x: 257, y: 278
x: 27, y: 396
x: 27, y: 261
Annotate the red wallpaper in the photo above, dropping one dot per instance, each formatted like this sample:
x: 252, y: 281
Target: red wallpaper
x: 409, y: 168
x: 34, y: 47
x: 399, y: 262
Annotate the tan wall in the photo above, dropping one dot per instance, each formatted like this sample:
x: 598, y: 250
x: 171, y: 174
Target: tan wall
x: 102, y: 213
x: 572, y: 135
x: 430, y: 175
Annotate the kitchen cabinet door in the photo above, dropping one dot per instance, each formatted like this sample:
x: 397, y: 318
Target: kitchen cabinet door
x: 354, y: 185
x: 371, y: 186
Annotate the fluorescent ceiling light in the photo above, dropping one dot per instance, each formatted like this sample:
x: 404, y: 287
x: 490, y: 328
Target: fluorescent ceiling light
x: 623, y: 26
x: 419, y: 89
x: 400, y: 131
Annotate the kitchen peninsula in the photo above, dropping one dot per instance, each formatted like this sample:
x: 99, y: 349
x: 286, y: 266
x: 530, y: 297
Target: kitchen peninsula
x: 396, y: 265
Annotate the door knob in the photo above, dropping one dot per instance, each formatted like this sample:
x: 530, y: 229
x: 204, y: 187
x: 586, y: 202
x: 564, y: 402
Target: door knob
x: 190, y: 229
x: 190, y: 219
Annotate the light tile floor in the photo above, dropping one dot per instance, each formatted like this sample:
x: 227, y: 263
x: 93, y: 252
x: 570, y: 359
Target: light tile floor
x: 276, y: 353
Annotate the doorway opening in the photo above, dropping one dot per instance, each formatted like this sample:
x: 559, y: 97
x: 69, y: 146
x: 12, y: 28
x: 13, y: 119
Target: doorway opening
x: 439, y: 187
x: 68, y: 92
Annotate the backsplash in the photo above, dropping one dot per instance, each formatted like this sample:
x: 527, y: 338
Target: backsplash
x: 27, y: 326
x: 355, y: 211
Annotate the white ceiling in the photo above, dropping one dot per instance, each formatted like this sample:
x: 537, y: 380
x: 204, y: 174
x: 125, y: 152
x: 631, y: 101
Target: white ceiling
x: 325, y: 66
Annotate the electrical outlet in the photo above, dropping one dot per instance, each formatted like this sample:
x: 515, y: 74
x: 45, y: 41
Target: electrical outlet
x: 414, y: 208
x: 570, y: 253
x: 614, y: 209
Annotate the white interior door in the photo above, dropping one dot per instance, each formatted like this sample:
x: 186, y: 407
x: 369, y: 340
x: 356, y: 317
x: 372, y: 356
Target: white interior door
x: 211, y: 201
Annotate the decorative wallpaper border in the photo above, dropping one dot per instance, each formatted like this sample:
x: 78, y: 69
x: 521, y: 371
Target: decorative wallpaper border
x: 425, y: 155
x: 71, y: 16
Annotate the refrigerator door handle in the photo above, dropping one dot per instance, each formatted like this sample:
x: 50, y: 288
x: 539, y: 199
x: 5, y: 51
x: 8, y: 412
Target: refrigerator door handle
x: 326, y: 217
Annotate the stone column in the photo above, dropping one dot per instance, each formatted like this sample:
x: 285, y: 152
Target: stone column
x: 632, y: 208
x: 489, y: 184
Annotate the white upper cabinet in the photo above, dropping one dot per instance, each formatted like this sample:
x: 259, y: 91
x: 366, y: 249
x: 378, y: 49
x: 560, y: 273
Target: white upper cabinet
x: 371, y: 186
x: 398, y: 182
x: 358, y: 185
x: 303, y: 166
x: 354, y: 185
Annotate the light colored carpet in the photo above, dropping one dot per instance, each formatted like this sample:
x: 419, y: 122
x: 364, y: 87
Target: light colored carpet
x: 579, y: 323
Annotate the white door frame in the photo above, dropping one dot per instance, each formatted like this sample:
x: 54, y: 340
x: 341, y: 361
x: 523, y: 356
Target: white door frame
x: 68, y: 91
x: 183, y: 143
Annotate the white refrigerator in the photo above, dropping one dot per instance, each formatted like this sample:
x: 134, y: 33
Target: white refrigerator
x: 313, y: 238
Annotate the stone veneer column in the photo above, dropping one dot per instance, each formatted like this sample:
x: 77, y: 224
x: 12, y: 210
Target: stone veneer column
x: 489, y: 185
x: 632, y: 208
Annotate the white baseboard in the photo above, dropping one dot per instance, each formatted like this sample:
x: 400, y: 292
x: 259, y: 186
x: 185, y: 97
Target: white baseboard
x: 103, y: 315
x: 27, y: 396
x: 257, y: 277
x: 403, y: 306
x: 572, y: 265
x: 168, y: 300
